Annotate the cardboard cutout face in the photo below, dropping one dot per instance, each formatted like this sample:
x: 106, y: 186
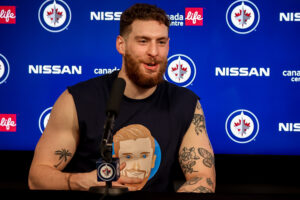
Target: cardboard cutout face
x: 135, y: 146
x: 138, y: 155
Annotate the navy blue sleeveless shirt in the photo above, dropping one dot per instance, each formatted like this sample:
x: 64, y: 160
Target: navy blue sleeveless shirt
x: 165, y: 115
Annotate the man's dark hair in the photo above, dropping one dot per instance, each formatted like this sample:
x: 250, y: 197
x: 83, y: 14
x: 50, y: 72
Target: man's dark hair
x: 142, y: 11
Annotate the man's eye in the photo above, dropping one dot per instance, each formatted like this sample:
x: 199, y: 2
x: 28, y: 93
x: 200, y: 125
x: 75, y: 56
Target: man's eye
x: 162, y: 42
x: 142, y: 41
x: 128, y: 156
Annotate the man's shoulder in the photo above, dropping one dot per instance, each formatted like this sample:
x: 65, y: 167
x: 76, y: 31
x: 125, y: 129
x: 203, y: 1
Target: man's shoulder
x: 95, y: 83
x: 177, y: 91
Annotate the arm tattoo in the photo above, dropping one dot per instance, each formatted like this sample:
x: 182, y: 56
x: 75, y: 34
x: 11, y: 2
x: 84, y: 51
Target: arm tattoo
x: 199, y: 123
x: 198, y: 106
x: 208, y: 160
x: 209, y: 182
x: 63, y: 154
x: 187, y: 159
x: 202, y: 189
x: 192, y: 181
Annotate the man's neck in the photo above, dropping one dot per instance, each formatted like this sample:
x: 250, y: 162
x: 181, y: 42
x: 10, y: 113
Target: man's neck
x: 133, y: 91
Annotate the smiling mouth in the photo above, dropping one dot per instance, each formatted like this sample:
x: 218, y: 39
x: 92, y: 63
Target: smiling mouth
x: 151, y: 66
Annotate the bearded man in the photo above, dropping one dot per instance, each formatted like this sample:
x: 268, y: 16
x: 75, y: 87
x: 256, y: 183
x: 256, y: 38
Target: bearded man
x: 66, y: 154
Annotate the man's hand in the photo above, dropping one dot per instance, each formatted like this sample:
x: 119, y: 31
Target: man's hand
x: 83, y: 181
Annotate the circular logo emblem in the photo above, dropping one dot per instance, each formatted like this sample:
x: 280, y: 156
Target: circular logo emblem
x: 181, y: 70
x: 242, y: 16
x: 242, y: 126
x: 106, y: 171
x: 54, y: 15
x: 4, y: 69
x: 44, y: 118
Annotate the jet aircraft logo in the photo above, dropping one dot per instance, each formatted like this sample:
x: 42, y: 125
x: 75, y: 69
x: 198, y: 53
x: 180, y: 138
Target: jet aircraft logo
x: 242, y: 16
x: 54, y: 15
x: 181, y: 70
x: 242, y: 126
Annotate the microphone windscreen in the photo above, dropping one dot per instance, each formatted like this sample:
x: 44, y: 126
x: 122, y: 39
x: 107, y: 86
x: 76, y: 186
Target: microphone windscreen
x: 115, y: 98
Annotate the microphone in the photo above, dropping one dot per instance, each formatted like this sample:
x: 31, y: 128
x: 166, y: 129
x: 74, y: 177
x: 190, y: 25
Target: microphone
x: 112, y: 111
x: 116, y: 94
x: 108, y: 168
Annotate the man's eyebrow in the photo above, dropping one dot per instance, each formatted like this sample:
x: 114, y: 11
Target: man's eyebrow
x: 141, y: 37
x: 163, y: 38
x: 148, y: 38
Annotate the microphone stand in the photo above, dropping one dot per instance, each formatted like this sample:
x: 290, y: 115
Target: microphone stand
x: 108, y: 160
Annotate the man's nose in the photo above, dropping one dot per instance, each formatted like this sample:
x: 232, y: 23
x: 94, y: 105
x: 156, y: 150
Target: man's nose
x: 152, y: 49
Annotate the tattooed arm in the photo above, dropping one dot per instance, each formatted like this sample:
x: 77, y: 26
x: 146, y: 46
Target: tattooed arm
x: 196, y: 157
x: 55, y: 149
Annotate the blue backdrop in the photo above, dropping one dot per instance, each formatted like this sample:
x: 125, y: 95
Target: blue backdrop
x: 240, y: 57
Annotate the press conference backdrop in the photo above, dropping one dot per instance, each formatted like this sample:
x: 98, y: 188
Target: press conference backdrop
x: 240, y: 57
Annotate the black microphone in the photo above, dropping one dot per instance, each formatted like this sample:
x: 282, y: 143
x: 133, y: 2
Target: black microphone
x: 116, y: 94
x: 108, y: 168
x: 112, y: 111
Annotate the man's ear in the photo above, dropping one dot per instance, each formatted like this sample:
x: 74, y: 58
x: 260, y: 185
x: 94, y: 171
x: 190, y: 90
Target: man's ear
x: 120, y: 45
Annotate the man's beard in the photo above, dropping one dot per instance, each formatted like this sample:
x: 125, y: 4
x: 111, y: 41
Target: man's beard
x: 136, y: 75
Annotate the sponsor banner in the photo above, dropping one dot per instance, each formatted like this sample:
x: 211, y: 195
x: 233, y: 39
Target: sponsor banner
x: 191, y: 17
x: 8, y: 122
x: 242, y: 71
x: 102, y: 71
x: 289, y: 16
x: 55, y: 69
x: 242, y: 16
x: 288, y: 127
x: 242, y: 126
x: 194, y: 16
x: 294, y: 75
x: 177, y: 19
x: 105, y: 15
x: 7, y: 14
x: 54, y: 15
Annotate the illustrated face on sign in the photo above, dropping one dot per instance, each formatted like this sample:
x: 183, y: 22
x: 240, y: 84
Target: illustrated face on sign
x: 135, y: 146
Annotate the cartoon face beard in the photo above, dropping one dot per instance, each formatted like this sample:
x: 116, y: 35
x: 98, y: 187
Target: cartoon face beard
x: 142, y: 174
x: 136, y: 75
x: 138, y: 156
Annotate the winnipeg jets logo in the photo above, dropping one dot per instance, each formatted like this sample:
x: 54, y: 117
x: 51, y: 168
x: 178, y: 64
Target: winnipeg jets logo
x: 106, y: 172
x: 181, y: 70
x: 178, y: 70
x: 4, y: 69
x: 54, y: 15
x: 44, y: 118
x: 242, y: 16
x: 242, y: 126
